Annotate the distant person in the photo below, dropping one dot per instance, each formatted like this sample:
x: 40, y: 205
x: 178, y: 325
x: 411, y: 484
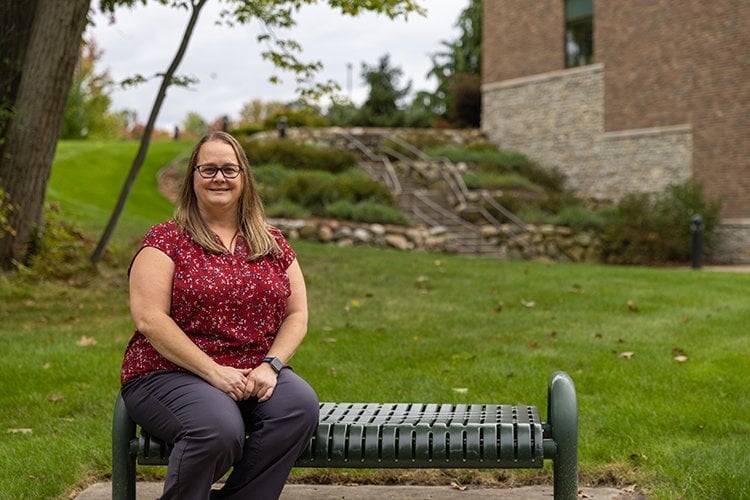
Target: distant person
x: 219, y: 304
x: 281, y: 124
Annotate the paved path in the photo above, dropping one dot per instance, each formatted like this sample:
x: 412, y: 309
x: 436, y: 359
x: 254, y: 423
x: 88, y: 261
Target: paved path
x: 152, y: 490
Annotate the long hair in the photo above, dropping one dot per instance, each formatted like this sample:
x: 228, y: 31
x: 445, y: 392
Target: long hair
x: 251, y: 216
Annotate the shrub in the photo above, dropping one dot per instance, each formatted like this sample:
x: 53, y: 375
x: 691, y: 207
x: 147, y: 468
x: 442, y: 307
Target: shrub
x: 316, y: 189
x: 491, y: 180
x: 580, y: 217
x: 648, y: 229
x: 6, y: 208
x: 286, y: 209
x: 298, y: 156
x: 309, y: 189
x: 366, y: 211
x: 62, y: 250
x: 485, y: 157
x: 247, y: 130
x: 295, y: 118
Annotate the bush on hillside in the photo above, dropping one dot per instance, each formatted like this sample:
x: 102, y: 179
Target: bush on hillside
x: 62, y: 250
x: 653, y: 229
x: 247, y: 130
x: 366, y: 211
x: 6, y: 208
x: 298, y: 156
x: 316, y: 189
x: 295, y: 118
x: 485, y: 157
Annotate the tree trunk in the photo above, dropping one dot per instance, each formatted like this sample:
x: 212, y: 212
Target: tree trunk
x: 15, y: 28
x: 140, y: 156
x: 32, y: 131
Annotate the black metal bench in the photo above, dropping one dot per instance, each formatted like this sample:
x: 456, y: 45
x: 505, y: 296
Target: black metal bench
x: 408, y: 436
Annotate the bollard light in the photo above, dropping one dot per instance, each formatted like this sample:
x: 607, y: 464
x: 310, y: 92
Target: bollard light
x: 696, y: 231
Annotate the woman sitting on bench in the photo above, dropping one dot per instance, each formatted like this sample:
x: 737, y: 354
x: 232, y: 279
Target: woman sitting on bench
x: 220, y: 306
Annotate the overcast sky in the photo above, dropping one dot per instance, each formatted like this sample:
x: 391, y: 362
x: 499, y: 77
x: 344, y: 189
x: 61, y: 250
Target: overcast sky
x: 227, y: 63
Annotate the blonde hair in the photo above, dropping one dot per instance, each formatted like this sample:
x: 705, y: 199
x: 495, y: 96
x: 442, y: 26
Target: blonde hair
x: 251, y: 216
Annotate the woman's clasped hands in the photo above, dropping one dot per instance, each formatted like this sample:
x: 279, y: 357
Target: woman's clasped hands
x: 245, y: 383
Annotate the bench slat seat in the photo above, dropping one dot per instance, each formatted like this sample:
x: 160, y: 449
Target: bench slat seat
x: 420, y: 435
x: 406, y: 435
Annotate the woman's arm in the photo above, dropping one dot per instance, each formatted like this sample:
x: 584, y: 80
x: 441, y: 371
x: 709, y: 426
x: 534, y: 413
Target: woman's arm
x: 262, y: 380
x: 151, y: 278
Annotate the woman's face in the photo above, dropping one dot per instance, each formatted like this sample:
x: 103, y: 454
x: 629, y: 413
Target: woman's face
x: 217, y: 193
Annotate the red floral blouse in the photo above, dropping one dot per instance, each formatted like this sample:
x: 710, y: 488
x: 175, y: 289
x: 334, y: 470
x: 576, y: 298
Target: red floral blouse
x: 229, y: 307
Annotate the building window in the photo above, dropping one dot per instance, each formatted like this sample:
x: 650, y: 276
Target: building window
x: 579, y: 32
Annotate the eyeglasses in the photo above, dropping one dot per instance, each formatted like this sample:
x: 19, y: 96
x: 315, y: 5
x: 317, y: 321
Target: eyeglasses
x: 229, y: 171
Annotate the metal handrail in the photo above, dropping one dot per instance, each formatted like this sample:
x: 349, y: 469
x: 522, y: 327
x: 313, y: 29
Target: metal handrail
x: 390, y: 177
x: 458, y: 186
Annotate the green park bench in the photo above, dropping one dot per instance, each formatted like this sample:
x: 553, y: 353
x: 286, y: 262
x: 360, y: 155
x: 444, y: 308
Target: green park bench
x: 407, y: 436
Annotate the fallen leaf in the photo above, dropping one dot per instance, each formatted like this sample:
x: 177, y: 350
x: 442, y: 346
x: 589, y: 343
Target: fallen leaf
x: 528, y: 303
x: 19, y: 431
x: 553, y: 334
x: 47, y: 366
x: 532, y: 345
x: 457, y: 486
x: 86, y: 341
x: 460, y: 390
x: 581, y: 494
x: 498, y: 308
x: 620, y: 341
x: 680, y: 359
x: 29, y: 303
x: 329, y: 340
x: 332, y: 371
x: 629, y: 489
x: 56, y: 398
x: 632, y: 307
x: 575, y: 288
x: 598, y: 336
x: 626, y: 355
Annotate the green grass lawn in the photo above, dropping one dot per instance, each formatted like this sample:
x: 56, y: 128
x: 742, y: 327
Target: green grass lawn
x: 389, y: 326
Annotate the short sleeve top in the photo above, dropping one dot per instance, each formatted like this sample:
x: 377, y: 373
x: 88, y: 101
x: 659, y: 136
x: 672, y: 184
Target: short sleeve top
x: 230, y: 307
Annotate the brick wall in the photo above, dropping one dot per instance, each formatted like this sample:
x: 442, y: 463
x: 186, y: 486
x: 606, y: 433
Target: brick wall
x: 557, y: 119
x: 665, y: 65
x: 525, y: 37
x: 684, y: 61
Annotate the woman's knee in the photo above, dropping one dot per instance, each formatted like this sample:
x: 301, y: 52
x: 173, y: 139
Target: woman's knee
x: 306, y: 403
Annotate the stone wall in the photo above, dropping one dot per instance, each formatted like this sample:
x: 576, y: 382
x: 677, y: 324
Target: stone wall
x: 329, y: 135
x: 732, y: 242
x: 549, y: 243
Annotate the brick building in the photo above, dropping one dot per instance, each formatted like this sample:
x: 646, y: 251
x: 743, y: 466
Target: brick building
x: 627, y: 96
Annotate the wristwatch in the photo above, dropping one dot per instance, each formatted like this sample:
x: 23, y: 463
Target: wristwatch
x: 275, y: 363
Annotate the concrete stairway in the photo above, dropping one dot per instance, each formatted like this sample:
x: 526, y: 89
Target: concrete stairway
x: 437, y: 206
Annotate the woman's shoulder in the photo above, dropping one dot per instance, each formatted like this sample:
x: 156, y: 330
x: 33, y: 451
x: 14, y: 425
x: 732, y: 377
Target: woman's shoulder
x: 274, y: 231
x: 167, y: 231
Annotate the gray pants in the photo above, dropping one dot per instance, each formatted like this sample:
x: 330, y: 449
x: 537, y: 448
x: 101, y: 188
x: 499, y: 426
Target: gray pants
x: 211, y: 433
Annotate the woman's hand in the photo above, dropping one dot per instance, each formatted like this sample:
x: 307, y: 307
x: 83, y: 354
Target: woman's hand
x: 230, y: 380
x: 260, y: 383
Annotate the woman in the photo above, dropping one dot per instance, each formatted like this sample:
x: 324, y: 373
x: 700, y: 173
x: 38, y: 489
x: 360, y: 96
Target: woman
x: 220, y: 306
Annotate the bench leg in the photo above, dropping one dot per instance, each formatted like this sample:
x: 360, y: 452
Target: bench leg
x: 123, y: 458
x: 562, y: 414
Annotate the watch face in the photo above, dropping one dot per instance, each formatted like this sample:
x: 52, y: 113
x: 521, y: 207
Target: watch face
x: 276, y: 364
